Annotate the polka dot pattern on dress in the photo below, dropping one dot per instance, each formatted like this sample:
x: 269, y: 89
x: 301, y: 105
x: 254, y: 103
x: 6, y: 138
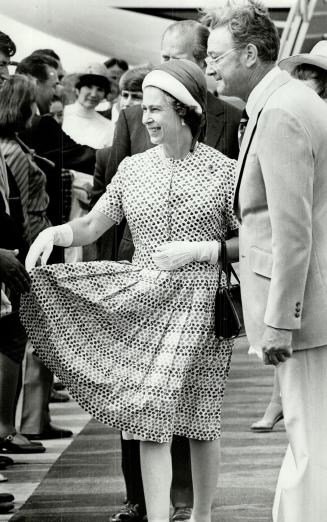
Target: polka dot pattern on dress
x: 134, y: 345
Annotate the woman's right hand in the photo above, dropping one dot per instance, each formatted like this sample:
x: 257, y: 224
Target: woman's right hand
x: 41, y: 247
x: 61, y: 235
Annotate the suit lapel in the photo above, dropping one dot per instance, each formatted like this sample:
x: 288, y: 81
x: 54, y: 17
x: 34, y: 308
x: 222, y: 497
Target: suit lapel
x: 276, y: 83
x: 215, y: 124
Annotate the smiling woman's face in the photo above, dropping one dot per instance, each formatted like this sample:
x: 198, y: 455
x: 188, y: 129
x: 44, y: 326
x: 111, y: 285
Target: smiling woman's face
x: 161, y: 120
x: 89, y: 96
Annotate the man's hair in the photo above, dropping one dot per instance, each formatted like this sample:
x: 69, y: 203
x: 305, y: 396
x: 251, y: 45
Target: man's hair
x: 132, y: 79
x: 306, y: 71
x: 197, y: 30
x: 47, y: 52
x: 17, y: 95
x: 37, y: 65
x: 115, y: 61
x: 7, y: 46
x: 248, y: 24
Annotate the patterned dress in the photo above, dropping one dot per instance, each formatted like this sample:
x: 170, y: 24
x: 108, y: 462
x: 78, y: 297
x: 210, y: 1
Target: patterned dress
x: 135, y: 345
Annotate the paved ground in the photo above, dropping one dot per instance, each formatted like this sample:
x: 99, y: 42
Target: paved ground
x: 250, y: 462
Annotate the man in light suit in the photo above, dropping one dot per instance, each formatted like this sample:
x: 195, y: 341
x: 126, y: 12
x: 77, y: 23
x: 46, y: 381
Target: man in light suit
x: 281, y: 203
x: 185, y: 39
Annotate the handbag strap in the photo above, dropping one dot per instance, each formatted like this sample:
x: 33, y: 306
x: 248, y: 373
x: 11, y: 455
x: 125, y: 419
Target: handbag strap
x: 225, y: 266
x: 223, y: 261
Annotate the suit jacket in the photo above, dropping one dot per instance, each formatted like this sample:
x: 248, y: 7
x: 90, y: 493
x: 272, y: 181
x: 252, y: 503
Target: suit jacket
x: 131, y: 137
x: 281, y: 197
x: 99, y: 181
x: 108, y: 241
x: 48, y: 139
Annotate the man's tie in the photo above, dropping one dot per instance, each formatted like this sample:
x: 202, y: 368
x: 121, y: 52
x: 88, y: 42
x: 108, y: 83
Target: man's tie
x: 242, y: 126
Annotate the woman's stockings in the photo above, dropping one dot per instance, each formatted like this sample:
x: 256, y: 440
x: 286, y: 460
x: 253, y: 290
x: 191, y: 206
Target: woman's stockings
x: 156, y: 476
x: 205, y: 460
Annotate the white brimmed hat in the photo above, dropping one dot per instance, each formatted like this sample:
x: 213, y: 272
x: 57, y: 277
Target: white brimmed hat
x: 317, y: 56
x: 97, y: 73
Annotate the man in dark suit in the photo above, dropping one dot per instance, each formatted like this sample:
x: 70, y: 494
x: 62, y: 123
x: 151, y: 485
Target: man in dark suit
x: 185, y: 39
x: 109, y: 238
x: 46, y: 136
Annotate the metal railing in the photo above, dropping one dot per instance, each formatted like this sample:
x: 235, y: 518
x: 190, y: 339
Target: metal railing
x: 296, y: 27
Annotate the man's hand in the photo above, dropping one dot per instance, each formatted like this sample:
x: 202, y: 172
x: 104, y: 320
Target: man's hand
x: 276, y: 345
x: 12, y: 272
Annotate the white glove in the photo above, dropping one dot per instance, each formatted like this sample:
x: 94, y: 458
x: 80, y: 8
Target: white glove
x: 61, y: 235
x: 173, y: 255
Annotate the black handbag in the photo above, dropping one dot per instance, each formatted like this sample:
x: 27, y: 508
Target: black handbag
x: 228, y: 305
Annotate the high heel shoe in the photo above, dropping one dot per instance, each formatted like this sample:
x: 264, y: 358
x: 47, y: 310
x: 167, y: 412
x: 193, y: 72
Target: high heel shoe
x: 265, y: 426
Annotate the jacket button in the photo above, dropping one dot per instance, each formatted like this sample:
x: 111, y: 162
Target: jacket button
x: 297, y: 314
x: 298, y: 304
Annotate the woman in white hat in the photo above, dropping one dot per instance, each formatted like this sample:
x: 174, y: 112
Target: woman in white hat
x: 81, y: 121
x: 311, y: 68
x: 135, y: 343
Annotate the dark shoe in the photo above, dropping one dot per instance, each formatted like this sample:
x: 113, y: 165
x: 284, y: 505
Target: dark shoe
x: 57, y: 396
x: 6, y: 507
x: 58, y: 386
x: 17, y: 443
x: 6, y: 497
x: 128, y: 513
x: 7, y: 461
x: 181, y: 514
x: 263, y: 426
x: 50, y: 432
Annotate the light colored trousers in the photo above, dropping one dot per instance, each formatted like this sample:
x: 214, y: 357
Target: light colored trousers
x: 301, y: 493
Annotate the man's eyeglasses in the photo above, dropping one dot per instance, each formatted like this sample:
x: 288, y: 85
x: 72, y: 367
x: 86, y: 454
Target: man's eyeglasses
x: 210, y: 59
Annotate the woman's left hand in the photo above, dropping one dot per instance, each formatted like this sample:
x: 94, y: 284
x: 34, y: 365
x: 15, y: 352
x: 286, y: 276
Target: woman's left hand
x: 175, y: 254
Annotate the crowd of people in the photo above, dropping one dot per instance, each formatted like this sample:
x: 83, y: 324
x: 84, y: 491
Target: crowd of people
x: 178, y: 173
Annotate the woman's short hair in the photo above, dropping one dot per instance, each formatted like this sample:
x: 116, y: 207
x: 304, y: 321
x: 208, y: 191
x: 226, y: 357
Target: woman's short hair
x: 115, y: 61
x: 193, y: 119
x: 249, y: 24
x: 17, y: 95
x: 89, y: 80
x: 132, y: 79
x: 306, y: 71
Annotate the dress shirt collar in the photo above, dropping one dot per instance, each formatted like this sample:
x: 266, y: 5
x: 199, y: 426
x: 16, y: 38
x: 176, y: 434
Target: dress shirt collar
x: 260, y: 88
x: 114, y: 113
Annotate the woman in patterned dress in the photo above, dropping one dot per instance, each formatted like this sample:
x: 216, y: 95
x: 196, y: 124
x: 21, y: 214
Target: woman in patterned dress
x: 135, y: 343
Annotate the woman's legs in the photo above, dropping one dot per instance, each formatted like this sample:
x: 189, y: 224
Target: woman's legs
x: 274, y: 410
x: 205, y: 460
x: 156, y: 474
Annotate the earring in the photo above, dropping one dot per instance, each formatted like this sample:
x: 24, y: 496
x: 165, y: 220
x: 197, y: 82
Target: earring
x: 182, y: 122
